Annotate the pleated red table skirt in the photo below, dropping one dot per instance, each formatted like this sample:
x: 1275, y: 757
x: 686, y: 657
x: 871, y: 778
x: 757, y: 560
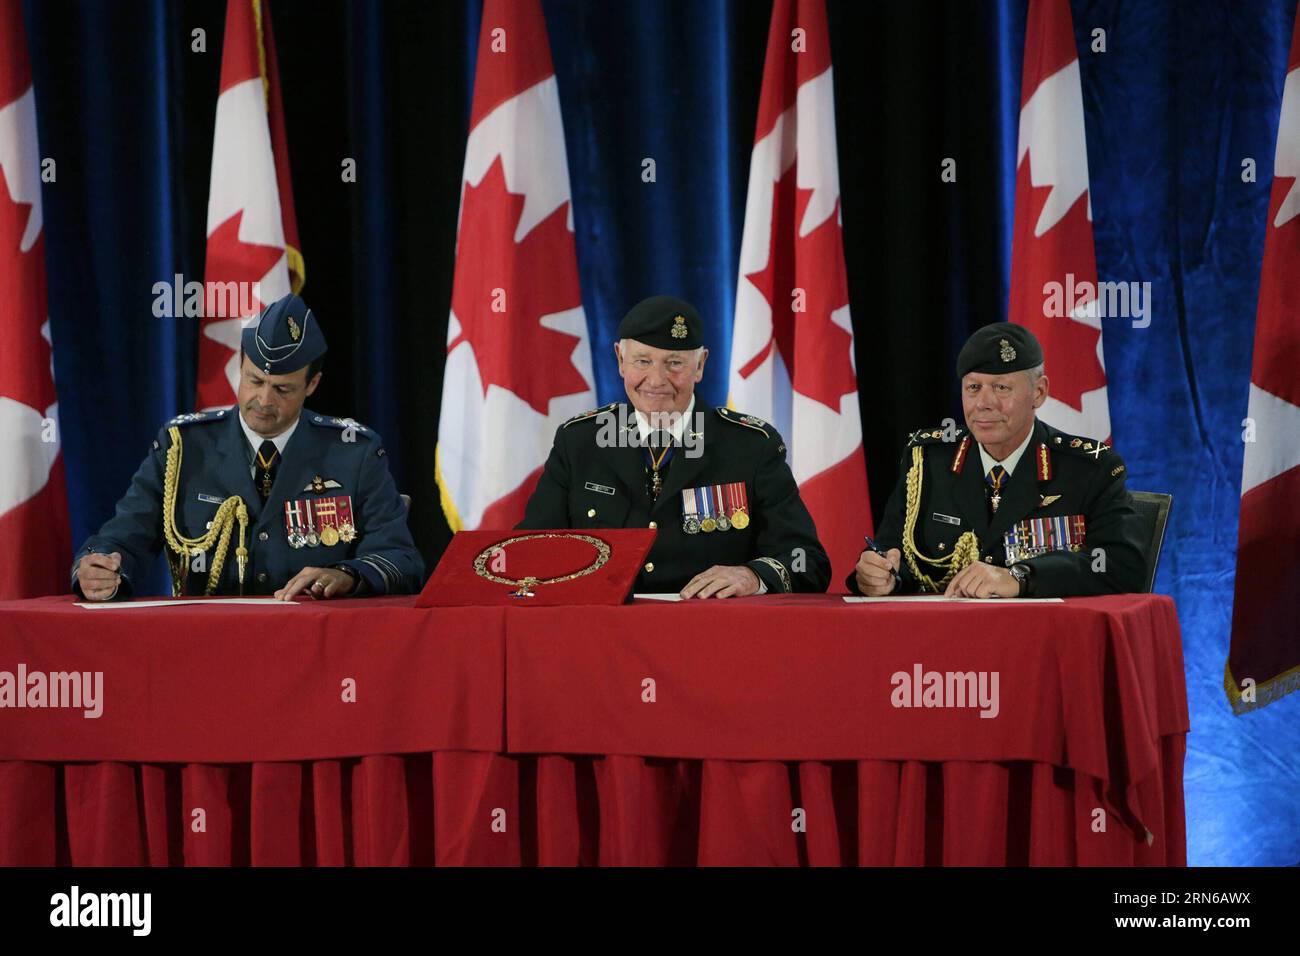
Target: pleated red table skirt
x: 765, y: 730
x: 465, y: 808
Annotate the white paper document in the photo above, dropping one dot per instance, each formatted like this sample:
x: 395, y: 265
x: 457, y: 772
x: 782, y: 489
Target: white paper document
x: 658, y: 597
x: 219, y: 602
x: 931, y: 599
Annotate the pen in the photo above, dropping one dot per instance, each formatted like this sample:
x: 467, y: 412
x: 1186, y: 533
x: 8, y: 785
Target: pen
x: 871, y: 546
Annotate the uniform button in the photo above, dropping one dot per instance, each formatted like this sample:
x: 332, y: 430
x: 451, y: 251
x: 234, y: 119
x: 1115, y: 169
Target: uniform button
x: 261, y: 577
x: 654, y: 524
x: 263, y: 536
x: 209, y: 525
x: 591, y: 512
x: 942, y: 545
x: 649, y: 567
x: 988, y: 559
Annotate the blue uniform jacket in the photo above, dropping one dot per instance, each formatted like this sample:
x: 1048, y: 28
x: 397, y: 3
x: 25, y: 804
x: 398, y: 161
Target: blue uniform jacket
x: 215, y: 465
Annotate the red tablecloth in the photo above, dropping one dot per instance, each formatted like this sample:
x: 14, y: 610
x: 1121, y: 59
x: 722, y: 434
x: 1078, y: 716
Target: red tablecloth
x: 488, y: 735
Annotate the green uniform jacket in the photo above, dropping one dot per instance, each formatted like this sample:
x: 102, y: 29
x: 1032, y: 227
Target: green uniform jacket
x: 591, y: 482
x: 1082, y: 481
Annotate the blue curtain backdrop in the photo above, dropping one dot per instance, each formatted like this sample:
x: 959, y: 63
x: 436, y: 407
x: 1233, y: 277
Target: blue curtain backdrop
x: 1184, y: 93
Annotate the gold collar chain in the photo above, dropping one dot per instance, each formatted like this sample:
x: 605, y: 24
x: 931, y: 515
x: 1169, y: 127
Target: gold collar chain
x: 526, y: 584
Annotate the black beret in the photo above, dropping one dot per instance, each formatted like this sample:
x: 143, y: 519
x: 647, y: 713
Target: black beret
x: 999, y: 348
x: 284, y: 338
x: 665, y: 322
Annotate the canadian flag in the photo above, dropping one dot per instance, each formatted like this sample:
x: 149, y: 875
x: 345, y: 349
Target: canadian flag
x: 253, y: 255
x: 518, y: 355
x: 1265, y: 645
x: 34, y: 538
x: 792, y: 344
x: 1052, y: 235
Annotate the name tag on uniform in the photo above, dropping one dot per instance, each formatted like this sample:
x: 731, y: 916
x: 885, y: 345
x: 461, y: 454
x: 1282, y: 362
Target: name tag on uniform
x: 211, y: 499
x: 603, y: 489
x: 946, y: 519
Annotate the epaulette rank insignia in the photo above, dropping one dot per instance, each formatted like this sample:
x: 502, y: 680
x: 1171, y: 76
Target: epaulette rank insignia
x: 1084, y: 446
x: 327, y: 421
x: 750, y: 421
x: 591, y: 414
x: 926, y: 436
x: 191, y: 418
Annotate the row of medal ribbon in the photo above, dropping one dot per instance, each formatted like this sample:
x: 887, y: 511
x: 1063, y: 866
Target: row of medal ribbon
x: 309, y: 522
x: 715, y: 508
x: 1035, y: 536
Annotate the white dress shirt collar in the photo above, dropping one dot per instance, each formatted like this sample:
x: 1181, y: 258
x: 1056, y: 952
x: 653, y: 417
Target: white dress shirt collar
x: 255, y: 440
x: 1010, y: 462
x: 678, y: 426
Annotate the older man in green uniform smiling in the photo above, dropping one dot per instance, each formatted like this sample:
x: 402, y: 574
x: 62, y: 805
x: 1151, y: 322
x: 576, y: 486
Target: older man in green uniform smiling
x: 1012, y: 507
x: 713, y: 482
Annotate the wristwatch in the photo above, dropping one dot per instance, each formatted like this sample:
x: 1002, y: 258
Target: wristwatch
x: 358, y: 582
x: 1024, y: 575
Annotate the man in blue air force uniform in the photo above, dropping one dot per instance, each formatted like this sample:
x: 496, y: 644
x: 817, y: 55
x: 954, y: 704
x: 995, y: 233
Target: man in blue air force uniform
x: 264, y: 497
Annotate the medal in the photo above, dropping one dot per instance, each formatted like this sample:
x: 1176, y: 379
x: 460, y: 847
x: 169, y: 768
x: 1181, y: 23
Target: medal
x: 995, y: 478
x: 656, y: 462
x: 347, y: 533
x: 708, y: 523
x: 326, y: 514
x: 716, y: 495
x: 293, y: 524
x: 1037, y: 536
x: 690, y: 512
x: 734, y: 494
x: 313, y: 538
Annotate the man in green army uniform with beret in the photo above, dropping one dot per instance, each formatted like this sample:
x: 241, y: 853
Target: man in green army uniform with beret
x: 1011, y: 507
x: 713, y: 482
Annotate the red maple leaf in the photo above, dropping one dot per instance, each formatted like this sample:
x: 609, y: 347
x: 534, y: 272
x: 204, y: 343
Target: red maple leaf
x: 816, y: 351
x: 536, y: 276
x: 229, y: 259
x: 1069, y: 346
x: 25, y: 360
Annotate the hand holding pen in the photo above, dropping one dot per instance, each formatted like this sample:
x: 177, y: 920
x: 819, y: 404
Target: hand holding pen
x: 877, y: 571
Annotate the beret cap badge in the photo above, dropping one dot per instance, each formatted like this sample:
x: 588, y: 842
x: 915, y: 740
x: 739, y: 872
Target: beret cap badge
x: 999, y: 348
x: 294, y: 331
x: 663, y: 322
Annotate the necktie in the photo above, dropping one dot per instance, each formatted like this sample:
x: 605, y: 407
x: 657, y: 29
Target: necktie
x: 268, y: 462
x: 996, y: 477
